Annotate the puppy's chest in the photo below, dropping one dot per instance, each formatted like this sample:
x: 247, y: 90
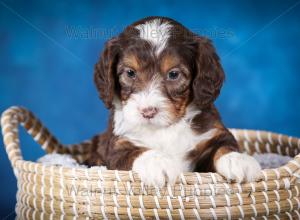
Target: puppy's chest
x: 176, y: 140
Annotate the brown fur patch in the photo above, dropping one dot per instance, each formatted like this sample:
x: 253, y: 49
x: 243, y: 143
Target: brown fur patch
x: 131, y: 61
x: 205, y: 154
x: 168, y: 62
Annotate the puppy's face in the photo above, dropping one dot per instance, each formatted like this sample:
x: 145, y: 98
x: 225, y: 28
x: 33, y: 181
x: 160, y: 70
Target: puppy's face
x: 154, y: 89
x: 154, y: 69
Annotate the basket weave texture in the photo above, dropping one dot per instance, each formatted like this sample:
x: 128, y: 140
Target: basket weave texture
x: 56, y: 192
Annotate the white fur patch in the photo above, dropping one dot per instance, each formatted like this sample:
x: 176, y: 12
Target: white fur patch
x: 239, y: 167
x: 156, y: 168
x: 156, y: 32
x: 175, y: 139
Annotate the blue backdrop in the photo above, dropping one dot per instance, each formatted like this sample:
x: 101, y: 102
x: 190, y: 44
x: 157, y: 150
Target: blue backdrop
x: 48, y: 50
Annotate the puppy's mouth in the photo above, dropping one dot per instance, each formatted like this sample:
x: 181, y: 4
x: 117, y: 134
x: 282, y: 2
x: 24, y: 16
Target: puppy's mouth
x: 149, y: 121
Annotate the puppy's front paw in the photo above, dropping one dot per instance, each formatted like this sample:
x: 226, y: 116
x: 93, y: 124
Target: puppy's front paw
x: 238, y: 167
x: 155, y: 168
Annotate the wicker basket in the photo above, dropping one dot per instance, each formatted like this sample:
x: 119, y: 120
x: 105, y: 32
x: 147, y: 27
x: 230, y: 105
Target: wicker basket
x: 54, y: 192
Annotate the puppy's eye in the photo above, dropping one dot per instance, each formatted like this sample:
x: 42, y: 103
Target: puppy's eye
x: 131, y: 74
x: 173, y: 75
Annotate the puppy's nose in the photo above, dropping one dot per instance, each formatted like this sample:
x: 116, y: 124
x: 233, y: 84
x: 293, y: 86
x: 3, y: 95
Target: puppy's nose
x: 149, y: 112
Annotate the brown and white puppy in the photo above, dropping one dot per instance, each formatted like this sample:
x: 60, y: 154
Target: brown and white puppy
x: 160, y: 81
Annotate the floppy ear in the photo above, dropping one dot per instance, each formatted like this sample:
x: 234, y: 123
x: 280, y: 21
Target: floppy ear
x: 105, y: 72
x: 209, y: 76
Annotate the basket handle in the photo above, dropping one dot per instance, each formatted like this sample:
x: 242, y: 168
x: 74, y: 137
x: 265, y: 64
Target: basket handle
x: 15, y: 116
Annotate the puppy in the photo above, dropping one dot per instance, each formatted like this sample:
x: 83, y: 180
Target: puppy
x: 159, y: 81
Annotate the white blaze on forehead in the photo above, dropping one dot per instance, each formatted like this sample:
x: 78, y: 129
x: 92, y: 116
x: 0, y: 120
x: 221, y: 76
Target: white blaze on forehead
x: 156, y: 32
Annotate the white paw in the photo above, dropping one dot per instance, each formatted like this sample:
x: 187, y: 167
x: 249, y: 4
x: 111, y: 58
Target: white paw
x: 238, y: 167
x: 156, y: 168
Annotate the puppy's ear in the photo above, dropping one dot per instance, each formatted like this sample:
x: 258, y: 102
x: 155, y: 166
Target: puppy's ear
x: 105, y: 72
x: 209, y: 76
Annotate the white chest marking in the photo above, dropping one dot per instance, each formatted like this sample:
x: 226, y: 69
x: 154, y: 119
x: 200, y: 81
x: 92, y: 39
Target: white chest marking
x: 175, y: 140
